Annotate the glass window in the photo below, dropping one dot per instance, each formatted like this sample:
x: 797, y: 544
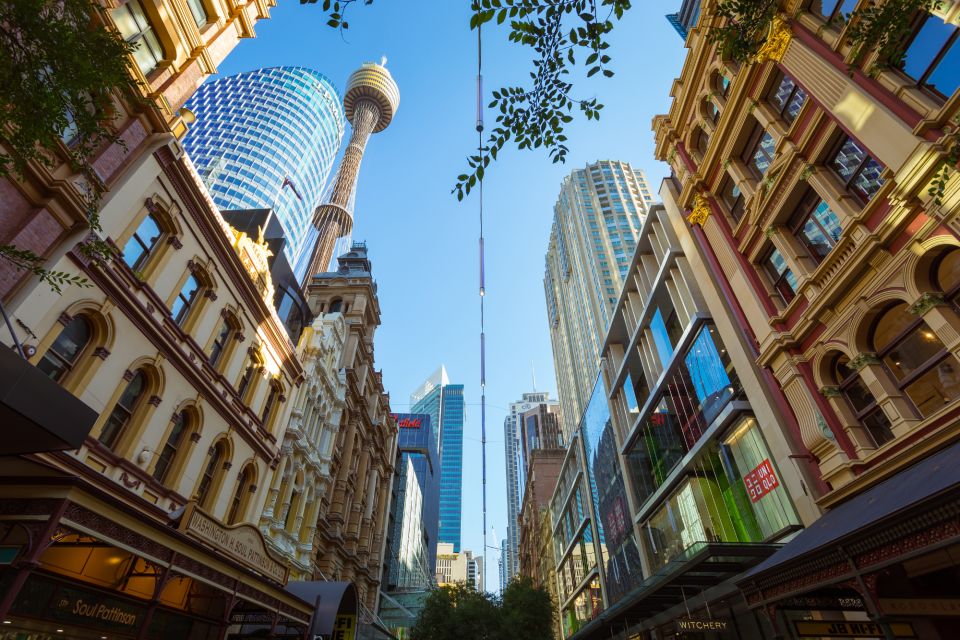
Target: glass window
x: 861, y: 400
x: 132, y: 22
x: 919, y: 362
x: 933, y: 56
x: 782, y: 278
x: 184, y: 299
x: 816, y: 226
x: 758, y: 154
x: 859, y: 172
x: 661, y: 337
x: 243, y: 488
x: 220, y: 343
x: 834, y: 9
x: 702, y: 142
x: 947, y: 271
x: 63, y: 354
x: 210, y: 471
x: 123, y: 411
x: 269, y: 405
x: 142, y: 243
x: 730, y: 193
x: 712, y: 111
x: 171, y: 446
x: 788, y: 98
x: 198, y: 11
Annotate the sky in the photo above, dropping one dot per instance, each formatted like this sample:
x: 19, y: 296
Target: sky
x: 423, y: 243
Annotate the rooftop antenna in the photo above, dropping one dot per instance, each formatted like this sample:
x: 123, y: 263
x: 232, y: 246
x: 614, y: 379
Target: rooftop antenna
x: 533, y: 373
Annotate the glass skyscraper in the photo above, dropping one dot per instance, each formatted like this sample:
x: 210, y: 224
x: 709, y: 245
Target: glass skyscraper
x: 268, y: 139
x: 444, y: 403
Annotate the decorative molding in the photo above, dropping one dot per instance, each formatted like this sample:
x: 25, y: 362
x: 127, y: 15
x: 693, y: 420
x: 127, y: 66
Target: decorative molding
x: 778, y: 39
x: 863, y: 359
x: 152, y: 206
x: 101, y: 352
x: 194, y: 437
x: 808, y: 171
x: 65, y: 318
x: 154, y: 400
x: 700, y: 212
x: 210, y: 294
x: 227, y: 465
x: 128, y: 375
x: 770, y: 231
x: 831, y: 392
x: 175, y: 242
x: 926, y: 302
x: 128, y: 482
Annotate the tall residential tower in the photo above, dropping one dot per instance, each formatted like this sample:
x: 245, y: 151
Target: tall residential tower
x: 444, y: 403
x: 596, y: 221
x: 267, y: 139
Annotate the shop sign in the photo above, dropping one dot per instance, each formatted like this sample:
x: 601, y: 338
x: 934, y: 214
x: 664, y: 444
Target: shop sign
x: 243, y: 543
x: 345, y: 627
x: 761, y: 481
x: 702, y: 624
x: 823, y: 603
x: 54, y: 600
x: 850, y: 629
x: 920, y: 606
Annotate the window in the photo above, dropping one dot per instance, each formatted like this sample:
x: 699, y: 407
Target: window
x: 244, y: 486
x: 784, y: 282
x: 123, y: 411
x: 816, y: 226
x: 919, y: 362
x: 859, y: 172
x: 946, y: 275
x: 335, y: 305
x: 702, y: 141
x: 243, y: 388
x: 63, y: 354
x: 758, y: 154
x: 933, y: 56
x: 184, y: 299
x: 210, y: 472
x: 731, y: 196
x: 165, y: 459
x: 712, y: 112
x: 220, y: 343
x: 142, y: 243
x: 198, y: 11
x: 861, y: 400
x: 270, y: 404
x: 788, y: 98
x: 834, y: 9
x: 133, y: 25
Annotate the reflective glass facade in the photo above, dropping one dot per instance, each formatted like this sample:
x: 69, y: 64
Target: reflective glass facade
x: 268, y: 138
x: 444, y: 404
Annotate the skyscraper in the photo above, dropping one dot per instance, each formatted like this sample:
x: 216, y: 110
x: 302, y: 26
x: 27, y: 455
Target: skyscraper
x: 596, y: 222
x: 444, y: 403
x: 267, y: 139
x: 514, y: 471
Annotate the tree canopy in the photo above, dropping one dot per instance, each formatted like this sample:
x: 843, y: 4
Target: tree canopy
x: 460, y: 612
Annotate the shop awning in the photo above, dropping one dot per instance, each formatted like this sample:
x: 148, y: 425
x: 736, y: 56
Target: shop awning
x: 330, y: 600
x: 891, y: 499
x: 704, y: 565
x: 37, y: 413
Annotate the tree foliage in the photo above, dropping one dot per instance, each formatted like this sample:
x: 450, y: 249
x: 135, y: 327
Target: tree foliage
x: 745, y: 28
x: 460, y: 612
x: 60, y: 70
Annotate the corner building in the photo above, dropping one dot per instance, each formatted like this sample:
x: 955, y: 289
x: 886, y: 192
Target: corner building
x: 596, y: 220
x: 805, y: 178
x: 268, y: 139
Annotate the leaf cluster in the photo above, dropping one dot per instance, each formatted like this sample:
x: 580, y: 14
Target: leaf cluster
x: 884, y: 26
x: 533, y: 116
x: 948, y: 165
x: 61, y: 68
x: 745, y: 27
x: 460, y: 612
x: 336, y: 11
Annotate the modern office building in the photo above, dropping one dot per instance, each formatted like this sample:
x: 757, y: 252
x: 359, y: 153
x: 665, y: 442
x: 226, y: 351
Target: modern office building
x: 502, y: 565
x: 539, y: 429
x: 514, y: 474
x: 444, y: 403
x: 683, y: 20
x: 596, y: 220
x: 451, y: 565
x: 812, y: 182
x: 267, y: 139
x: 474, y: 570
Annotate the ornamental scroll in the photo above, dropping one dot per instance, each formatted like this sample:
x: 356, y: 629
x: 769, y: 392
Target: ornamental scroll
x: 778, y: 39
x: 701, y: 211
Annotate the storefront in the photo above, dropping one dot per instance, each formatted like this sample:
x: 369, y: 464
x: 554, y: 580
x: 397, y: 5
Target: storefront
x: 80, y: 563
x: 884, y: 564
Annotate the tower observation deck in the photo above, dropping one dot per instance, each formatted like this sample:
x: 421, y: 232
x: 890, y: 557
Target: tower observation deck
x: 370, y: 102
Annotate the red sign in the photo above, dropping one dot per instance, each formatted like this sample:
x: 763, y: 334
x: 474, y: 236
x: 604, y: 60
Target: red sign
x: 408, y: 423
x: 761, y: 481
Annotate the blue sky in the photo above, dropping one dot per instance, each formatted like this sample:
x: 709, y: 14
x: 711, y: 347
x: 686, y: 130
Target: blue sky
x: 422, y: 242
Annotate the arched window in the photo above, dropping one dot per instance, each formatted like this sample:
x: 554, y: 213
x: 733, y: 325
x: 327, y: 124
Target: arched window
x: 946, y: 275
x: 702, y: 141
x: 142, y: 243
x: 861, y: 400
x: 711, y: 110
x: 335, y: 305
x: 239, y: 503
x: 63, y: 354
x: 211, y: 472
x: 182, y: 426
x: 123, y: 412
x: 135, y: 27
x: 919, y: 362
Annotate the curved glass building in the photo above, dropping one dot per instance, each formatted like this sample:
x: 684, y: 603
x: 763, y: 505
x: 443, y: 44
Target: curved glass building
x: 268, y: 139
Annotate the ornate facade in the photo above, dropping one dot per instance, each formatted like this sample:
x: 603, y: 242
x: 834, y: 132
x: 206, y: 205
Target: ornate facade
x: 820, y: 187
x: 352, y: 517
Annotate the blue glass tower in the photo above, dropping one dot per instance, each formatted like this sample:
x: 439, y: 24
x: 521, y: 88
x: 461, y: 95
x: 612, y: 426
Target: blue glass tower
x: 444, y: 403
x: 268, y: 139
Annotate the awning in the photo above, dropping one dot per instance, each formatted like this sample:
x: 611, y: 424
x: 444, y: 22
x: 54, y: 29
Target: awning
x: 38, y: 414
x: 704, y: 565
x: 331, y: 600
x: 892, y: 499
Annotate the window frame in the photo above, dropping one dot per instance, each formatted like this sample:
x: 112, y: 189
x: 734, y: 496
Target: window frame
x: 752, y: 148
x: 803, y: 213
x: 776, y: 279
x: 738, y: 207
x: 848, y: 183
x: 844, y: 385
x: 180, y: 316
x: 147, y: 251
x: 219, y: 349
x: 140, y: 38
x: 783, y: 110
x: 210, y: 476
x: 130, y: 411
x: 67, y: 367
x: 182, y: 420
x: 952, y: 41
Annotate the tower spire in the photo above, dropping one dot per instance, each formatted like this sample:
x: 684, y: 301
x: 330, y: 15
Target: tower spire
x: 370, y: 101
